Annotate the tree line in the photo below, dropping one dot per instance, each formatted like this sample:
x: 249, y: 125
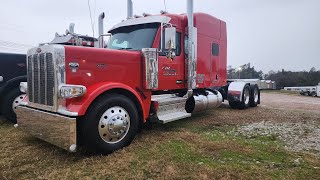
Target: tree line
x: 283, y: 78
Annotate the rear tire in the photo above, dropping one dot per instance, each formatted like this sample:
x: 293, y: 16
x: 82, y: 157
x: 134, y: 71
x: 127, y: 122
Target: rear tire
x: 254, y: 95
x: 245, y: 103
x: 111, y: 123
x: 306, y: 93
x: 11, y: 100
x: 313, y: 94
x: 233, y: 104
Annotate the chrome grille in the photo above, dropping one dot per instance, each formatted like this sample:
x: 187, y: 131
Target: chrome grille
x: 41, y: 78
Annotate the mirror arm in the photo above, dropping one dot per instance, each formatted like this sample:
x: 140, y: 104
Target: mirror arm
x: 101, y: 38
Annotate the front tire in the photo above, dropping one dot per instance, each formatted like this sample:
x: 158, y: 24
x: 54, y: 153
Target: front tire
x: 111, y: 123
x: 11, y: 100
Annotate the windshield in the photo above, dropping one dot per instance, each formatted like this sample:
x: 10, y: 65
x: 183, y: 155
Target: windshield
x: 133, y: 37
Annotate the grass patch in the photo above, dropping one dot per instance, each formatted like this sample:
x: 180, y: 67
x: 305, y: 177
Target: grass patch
x: 260, y: 152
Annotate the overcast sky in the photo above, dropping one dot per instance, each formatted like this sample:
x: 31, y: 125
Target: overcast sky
x: 271, y: 34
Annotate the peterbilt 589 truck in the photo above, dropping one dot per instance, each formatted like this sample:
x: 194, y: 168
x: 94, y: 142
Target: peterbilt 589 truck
x: 158, y: 68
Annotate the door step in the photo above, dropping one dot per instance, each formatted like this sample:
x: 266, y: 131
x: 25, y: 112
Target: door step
x: 166, y: 118
x: 170, y: 108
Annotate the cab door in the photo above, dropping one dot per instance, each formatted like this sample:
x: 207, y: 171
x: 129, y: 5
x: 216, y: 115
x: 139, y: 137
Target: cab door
x: 171, y: 71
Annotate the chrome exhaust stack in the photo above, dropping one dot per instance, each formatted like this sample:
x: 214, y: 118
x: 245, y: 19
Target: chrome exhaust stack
x: 129, y: 9
x: 192, y: 49
x: 100, y: 21
x: 71, y: 28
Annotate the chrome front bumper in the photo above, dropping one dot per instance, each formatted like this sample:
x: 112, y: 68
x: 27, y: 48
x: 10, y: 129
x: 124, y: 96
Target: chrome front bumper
x: 53, y: 128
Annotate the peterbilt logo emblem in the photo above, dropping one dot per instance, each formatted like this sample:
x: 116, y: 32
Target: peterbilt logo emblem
x: 74, y: 66
x: 101, y: 66
x: 38, y: 50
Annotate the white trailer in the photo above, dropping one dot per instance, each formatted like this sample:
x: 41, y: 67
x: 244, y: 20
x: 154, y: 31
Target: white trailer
x: 306, y: 90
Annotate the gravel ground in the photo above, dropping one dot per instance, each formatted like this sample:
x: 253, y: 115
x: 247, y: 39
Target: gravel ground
x: 298, y: 136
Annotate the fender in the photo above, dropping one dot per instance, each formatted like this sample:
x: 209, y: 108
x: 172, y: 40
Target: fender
x: 235, y: 90
x: 81, y: 105
x: 13, y: 82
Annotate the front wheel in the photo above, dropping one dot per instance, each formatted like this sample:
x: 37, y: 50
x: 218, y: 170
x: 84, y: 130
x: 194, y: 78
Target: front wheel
x: 110, y: 124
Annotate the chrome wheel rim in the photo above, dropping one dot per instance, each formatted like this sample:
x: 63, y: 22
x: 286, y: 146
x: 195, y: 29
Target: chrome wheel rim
x: 256, y: 96
x: 246, y: 96
x: 17, y: 101
x: 114, y: 124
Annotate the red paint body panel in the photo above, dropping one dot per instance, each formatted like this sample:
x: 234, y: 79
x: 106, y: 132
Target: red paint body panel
x: 211, y: 30
x: 101, y: 70
x: 104, y: 69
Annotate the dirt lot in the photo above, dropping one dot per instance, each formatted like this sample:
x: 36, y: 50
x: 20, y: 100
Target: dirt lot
x: 267, y: 142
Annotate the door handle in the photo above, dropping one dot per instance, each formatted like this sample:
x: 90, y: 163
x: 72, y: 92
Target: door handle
x: 179, y: 81
x: 1, y: 78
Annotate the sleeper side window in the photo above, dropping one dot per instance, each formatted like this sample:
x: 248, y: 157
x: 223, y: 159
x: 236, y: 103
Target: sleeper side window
x: 215, y: 49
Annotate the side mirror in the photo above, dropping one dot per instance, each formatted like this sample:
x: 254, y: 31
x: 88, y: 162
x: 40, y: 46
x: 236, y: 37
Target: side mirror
x: 170, y: 38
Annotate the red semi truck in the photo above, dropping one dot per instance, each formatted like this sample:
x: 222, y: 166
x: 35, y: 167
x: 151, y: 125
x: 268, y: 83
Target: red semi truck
x: 157, y: 68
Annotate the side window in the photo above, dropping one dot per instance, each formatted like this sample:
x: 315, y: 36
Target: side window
x: 215, y: 49
x: 178, y: 44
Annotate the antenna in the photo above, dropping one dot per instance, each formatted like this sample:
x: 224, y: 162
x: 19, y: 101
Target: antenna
x: 165, y: 5
x: 92, y: 25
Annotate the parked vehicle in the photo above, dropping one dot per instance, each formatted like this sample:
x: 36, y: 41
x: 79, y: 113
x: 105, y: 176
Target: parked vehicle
x: 306, y: 90
x: 157, y: 68
x: 12, y: 72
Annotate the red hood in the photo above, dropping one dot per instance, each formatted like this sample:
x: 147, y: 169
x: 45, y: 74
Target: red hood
x: 103, y: 65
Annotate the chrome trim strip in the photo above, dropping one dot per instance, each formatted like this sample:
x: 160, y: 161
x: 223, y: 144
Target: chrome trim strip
x: 32, y: 67
x: 39, y: 79
x: 45, y: 79
x: 67, y: 113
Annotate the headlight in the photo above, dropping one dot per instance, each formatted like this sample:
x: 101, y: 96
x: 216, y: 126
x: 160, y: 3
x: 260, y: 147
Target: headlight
x: 71, y: 91
x: 24, y: 87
